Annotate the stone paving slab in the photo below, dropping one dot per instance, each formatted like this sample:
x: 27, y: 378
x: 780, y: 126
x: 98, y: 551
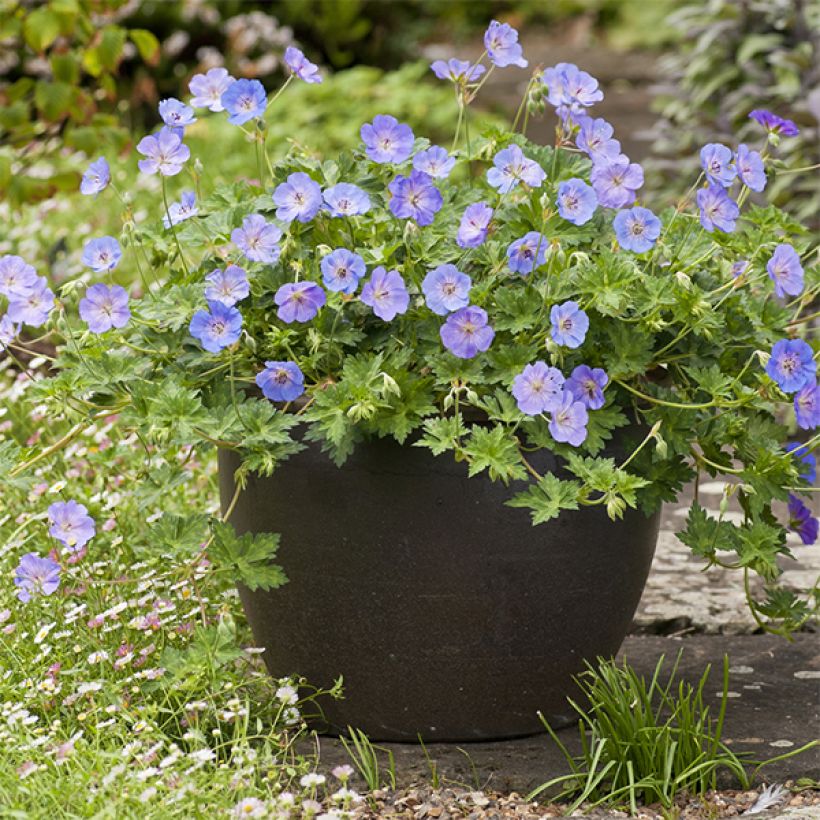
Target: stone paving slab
x: 774, y: 707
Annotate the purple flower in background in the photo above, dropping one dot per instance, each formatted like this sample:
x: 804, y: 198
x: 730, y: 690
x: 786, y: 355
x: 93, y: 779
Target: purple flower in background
x: 435, y: 161
x: 36, y: 576
x: 281, y: 381
x: 104, y: 307
x: 70, y: 523
x: 568, y: 421
x: 299, y: 66
x: 257, y: 239
x: 386, y: 293
x: 17, y: 277
x: 33, y: 306
x: 175, y: 114
x: 808, y: 462
x: 182, y: 210
x: 785, y: 271
x: 244, y: 100
x: 774, y: 124
x: 802, y: 521
x: 9, y: 331
x: 415, y: 197
x: 807, y: 407
x: 165, y: 154
x: 750, y: 168
x: 102, y: 254
x: 616, y: 180
x: 569, y: 324
x: 595, y: 139
x: 792, y: 365
x: 538, y: 388
x: 637, y: 229
x: 457, y: 71
x: 387, y: 140
x: 528, y: 253
x: 466, y: 332
x: 587, y: 385
x: 716, y: 161
x: 298, y: 198
x: 739, y: 268
x: 208, y: 88
x: 218, y: 327
x: 717, y: 209
x: 96, y: 177
x: 345, y: 199
x: 342, y: 270
x: 570, y: 90
x: 299, y: 301
x: 446, y: 289
x: 512, y: 167
x: 228, y: 287
x: 503, y: 48
x: 576, y: 201
x: 474, y: 225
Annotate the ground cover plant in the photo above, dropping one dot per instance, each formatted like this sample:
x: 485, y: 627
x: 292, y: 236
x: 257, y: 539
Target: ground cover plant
x: 378, y: 293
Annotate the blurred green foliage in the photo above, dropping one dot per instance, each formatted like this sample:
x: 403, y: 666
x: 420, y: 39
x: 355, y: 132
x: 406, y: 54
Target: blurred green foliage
x: 59, y: 87
x: 733, y: 56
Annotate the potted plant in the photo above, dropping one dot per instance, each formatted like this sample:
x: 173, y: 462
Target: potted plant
x: 407, y: 356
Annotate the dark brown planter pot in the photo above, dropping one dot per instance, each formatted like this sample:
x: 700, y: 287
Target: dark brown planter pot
x: 448, y: 614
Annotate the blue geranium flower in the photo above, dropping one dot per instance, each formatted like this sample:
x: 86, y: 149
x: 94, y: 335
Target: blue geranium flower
x: 802, y: 521
x: 415, y: 197
x: 457, y: 71
x: 387, y: 140
x: 258, y: 239
x: 104, y: 307
x: 503, y: 48
x: 299, y: 66
x: 36, y: 576
x: 475, y: 222
x: 595, y: 140
x: 435, y: 161
x: 386, y: 293
x: 299, y: 301
x: 229, y: 286
x: 446, y: 289
x: 96, y: 178
x: 807, y: 407
x: 587, y: 385
x: 750, y: 168
x: 70, y: 523
x: 345, y: 199
x: 175, y: 114
x: 785, y: 271
x: 298, y: 198
x: 569, y: 324
x: 717, y: 209
x: 208, y: 88
x: 244, y: 100
x: 538, y: 389
x: 466, y: 332
x: 182, y: 210
x: 576, y: 201
x: 281, y: 381
x: 512, y: 167
x: 528, y: 253
x: 164, y: 153
x: 102, y: 254
x: 216, y: 328
x: 568, y: 421
x: 716, y: 161
x: 808, y: 461
x: 637, y: 229
x: 615, y: 180
x: 792, y: 365
x: 342, y: 270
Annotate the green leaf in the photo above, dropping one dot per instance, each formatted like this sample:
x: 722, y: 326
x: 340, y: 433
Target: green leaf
x: 53, y: 100
x: 547, y: 498
x: 247, y: 557
x: 41, y: 28
x: 705, y: 535
x: 178, y: 534
x: 494, y: 449
x: 442, y: 434
x: 146, y: 43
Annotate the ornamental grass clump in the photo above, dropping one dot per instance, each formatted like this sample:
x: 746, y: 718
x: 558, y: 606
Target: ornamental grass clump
x: 483, y: 300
